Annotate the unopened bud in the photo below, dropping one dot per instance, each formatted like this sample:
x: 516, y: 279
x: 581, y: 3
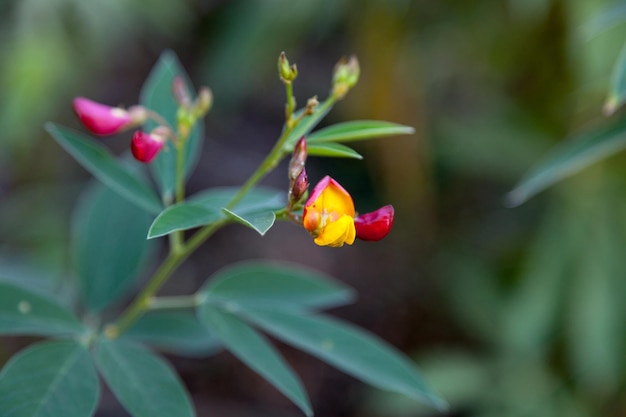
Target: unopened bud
x: 181, y: 92
x: 146, y: 146
x: 311, y: 105
x: 203, y: 103
x: 375, y: 225
x: 345, y: 76
x: 101, y: 119
x: 299, y: 187
x: 286, y: 72
x: 296, y: 164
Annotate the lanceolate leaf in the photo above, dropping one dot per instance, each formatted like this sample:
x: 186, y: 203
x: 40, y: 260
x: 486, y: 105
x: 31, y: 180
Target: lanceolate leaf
x: 142, y: 382
x: 182, y: 216
x: 109, y: 245
x: 276, y: 286
x: 175, y: 332
x: 335, y: 150
x: 358, y: 130
x: 49, y: 379
x: 348, y: 348
x: 571, y: 157
x: 156, y: 94
x: 256, y: 352
x: 260, y: 222
x: 97, y: 159
x: 617, y: 89
x: 25, y: 313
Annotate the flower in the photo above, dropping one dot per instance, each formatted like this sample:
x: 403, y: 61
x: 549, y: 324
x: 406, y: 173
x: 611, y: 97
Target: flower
x: 146, y: 146
x: 375, y: 225
x: 104, y: 120
x: 329, y: 214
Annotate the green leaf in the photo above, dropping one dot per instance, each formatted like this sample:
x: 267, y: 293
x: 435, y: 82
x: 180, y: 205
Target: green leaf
x: 253, y: 350
x: 175, y: 332
x: 569, y: 158
x: 97, y: 159
x: 49, y: 379
x: 348, y: 348
x: 261, y: 222
x: 25, y: 313
x: 142, y: 382
x: 335, y: 150
x: 617, y: 88
x: 109, y: 245
x: 276, y: 286
x: 358, y: 130
x: 206, y: 207
x: 156, y: 94
x: 307, y: 123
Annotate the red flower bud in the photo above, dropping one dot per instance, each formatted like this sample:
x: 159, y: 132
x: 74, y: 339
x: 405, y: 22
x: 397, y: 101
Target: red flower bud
x: 296, y: 164
x: 375, y: 225
x: 146, y: 146
x: 299, y: 187
x: 101, y: 119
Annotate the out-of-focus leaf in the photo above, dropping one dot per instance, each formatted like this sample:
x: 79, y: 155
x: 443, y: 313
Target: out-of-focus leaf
x: 617, y: 88
x: 348, y: 348
x: 256, y: 352
x: 307, y: 123
x: 175, y: 332
x: 570, y: 157
x: 605, y: 20
x: 142, y: 382
x: 275, y: 286
x: 49, y: 379
x: 206, y: 207
x: 182, y: 216
x: 156, y: 94
x: 25, y: 313
x: 109, y: 245
x: 335, y: 150
x: 358, y: 130
x: 260, y: 222
x: 96, y: 159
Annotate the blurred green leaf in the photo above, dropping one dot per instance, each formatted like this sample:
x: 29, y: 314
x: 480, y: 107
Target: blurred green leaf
x: 176, y: 332
x: 49, y: 379
x: 348, y: 348
x: 276, y: 286
x: 256, y: 352
x: 142, y: 382
x: 206, y: 207
x: 96, y: 159
x: 570, y: 157
x: 335, y: 150
x: 605, y: 20
x: 307, y: 123
x: 109, y: 245
x: 156, y: 94
x: 182, y: 216
x: 261, y: 222
x: 25, y: 313
x: 358, y: 130
x: 617, y: 88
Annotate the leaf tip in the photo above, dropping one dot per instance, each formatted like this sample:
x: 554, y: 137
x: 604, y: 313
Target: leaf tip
x: 610, y: 105
x: 514, y: 198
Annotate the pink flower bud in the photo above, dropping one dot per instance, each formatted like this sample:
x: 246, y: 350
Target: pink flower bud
x: 101, y: 119
x: 296, y: 164
x: 146, y: 146
x: 299, y: 187
x: 375, y: 225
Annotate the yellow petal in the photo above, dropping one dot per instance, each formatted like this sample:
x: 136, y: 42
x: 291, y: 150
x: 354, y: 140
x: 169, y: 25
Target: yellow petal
x: 337, y: 233
x: 335, y: 199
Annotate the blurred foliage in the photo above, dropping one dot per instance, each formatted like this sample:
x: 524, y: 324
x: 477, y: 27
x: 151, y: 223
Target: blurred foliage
x: 512, y: 311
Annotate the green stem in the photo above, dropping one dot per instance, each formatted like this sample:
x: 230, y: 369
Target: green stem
x: 174, y: 302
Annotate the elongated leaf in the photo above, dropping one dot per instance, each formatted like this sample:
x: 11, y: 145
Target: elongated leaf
x: 570, y: 157
x: 156, y: 94
x: 348, y: 348
x: 25, y: 313
x: 276, y: 286
x: 334, y: 150
x: 97, y: 159
x: 142, y: 382
x: 617, y: 88
x: 308, y: 123
x: 49, y: 379
x: 253, y: 350
x: 109, y: 245
x: 358, y: 130
x: 206, y: 207
x: 182, y: 216
x: 175, y: 332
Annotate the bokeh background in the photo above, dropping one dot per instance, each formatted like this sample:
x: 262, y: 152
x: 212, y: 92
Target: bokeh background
x: 507, y: 311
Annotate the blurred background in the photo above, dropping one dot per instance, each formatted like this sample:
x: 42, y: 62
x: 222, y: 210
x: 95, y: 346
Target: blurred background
x: 507, y: 311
